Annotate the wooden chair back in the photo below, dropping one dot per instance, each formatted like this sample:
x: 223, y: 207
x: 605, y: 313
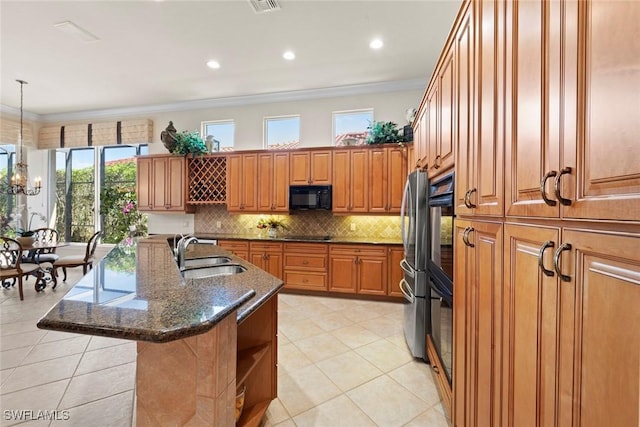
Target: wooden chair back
x: 46, y: 236
x: 10, y: 253
x: 91, y: 246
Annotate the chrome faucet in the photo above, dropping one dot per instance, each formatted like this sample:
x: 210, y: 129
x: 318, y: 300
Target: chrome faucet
x: 182, y: 245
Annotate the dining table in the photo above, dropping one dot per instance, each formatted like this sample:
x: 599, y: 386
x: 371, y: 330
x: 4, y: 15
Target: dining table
x: 31, y: 254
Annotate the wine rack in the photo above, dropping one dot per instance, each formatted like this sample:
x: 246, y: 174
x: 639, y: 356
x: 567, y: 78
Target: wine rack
x: 207, y: 180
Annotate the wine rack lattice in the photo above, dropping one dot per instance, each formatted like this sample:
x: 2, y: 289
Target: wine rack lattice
x: 207, y: 180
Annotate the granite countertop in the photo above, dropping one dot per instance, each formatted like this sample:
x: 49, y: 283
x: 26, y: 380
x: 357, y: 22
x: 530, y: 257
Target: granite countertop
x: 306, y: 239
x: 137, y: 292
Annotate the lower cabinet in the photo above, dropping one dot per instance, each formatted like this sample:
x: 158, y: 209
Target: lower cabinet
x: 358, y: 269
x: 239, y: 248
x: 477, y: 322
x: 306, y: 266
x: 572, y: 348
x: 267, y: 256
x: 396, y: 274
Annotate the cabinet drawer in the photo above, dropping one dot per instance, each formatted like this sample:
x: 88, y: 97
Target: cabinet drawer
x: 234, y: 245
x: 368, y: 250
x: 266, y: 246
x: 300, y: 280
x: 306, y: 248
x: 318, y: 262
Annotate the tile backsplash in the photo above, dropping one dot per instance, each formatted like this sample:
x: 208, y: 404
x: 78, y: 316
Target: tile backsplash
x: 311, y: 223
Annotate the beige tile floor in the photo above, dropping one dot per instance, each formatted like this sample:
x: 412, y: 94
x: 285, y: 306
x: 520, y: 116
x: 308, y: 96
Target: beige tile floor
x: 341, y: 363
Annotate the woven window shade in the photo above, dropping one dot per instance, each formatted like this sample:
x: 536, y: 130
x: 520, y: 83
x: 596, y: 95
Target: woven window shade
x: 10, y: 132
x: 96, y: 134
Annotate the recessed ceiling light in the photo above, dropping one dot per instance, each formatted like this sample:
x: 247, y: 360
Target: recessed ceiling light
x: 376, y: 44
x: 76, y: 31
x: 213, y: 64
x: 289, y: 55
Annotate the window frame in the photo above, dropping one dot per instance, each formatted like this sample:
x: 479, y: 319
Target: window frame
x: 265, y: 130
x: 334, y: 114
x: 203, y: 133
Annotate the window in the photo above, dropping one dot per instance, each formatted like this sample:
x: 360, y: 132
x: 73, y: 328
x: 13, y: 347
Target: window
x: 79, y: 182
x: 7, y: 201
x: 350, y: 127
x: 221, y: 134
x: 281, y: 132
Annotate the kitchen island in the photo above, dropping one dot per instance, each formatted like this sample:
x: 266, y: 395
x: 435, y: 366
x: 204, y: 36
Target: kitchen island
x: 198, y: 339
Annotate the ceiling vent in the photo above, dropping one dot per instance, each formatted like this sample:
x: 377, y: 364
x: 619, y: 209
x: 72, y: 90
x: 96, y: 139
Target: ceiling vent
x: 262, y: 6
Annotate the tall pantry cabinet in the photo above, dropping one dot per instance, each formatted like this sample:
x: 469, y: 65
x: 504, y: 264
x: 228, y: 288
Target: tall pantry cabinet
x: 547, y: 251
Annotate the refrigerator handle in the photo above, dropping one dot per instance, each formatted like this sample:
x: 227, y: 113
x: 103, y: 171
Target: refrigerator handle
x: 403, y: 206
x: 404, y: 265
x: 406, y: 291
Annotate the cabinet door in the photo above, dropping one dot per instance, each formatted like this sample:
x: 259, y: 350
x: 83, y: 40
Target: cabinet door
x: 299, y: 168
x: 532, y: 140
x: 372, y: 275
x: 378, y: 180
x: 234, y: 182
x: 599, y: 339
x: 465, y: 146
x: 175, y: 183
x: 343, y: 273
x: 481, y: 355
x: 420, y: 137
x: 144, y: 175
x: 341, y: 181
x: 530, y: 324
x: 250, y: 182
x: 446, y: 108
x: 259, y: 259
x: 280, y: 182
x: 265, y: 182
x: 273, y: 264
x: 432, y: 133
x: 396, y: 178
x: 320, y: 168
x: 604, y: 182
x: 160, y: 184
x: 396, y: 254
x: 359, y: 185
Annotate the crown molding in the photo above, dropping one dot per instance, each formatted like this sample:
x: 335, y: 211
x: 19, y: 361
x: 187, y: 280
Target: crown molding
x: 11, y: 111
x: 235, y: 101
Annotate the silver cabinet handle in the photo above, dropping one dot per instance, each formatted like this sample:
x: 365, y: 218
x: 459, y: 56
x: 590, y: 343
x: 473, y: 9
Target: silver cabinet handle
x: 543, y: 191
x: 556, y: 185
x: 404, y: 265
x: 556, y: 261
x: 406, y: 291
x: 545, y: 245
x: 465, y: 237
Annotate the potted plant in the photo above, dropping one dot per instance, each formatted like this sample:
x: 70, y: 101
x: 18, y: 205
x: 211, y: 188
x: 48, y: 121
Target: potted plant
x: 384, y: 132
x: 182, y: 143
x: 272, y: 225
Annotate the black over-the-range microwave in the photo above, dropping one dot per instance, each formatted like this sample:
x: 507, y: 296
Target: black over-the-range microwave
x: 308, y: 197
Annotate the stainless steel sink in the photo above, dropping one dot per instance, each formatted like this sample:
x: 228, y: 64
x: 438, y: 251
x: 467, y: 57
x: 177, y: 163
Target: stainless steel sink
x: 213, y: 270
x: 205, y: 262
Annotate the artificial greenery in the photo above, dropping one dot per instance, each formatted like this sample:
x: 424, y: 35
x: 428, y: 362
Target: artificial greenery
x: 271, y: 223
x: 188, y: 143
x: 383, y: 132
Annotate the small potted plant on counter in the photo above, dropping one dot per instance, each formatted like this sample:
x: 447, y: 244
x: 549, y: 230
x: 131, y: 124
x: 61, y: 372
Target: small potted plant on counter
x: 272, y: 225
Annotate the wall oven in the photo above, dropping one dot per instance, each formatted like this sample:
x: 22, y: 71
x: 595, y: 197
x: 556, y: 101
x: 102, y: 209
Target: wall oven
x: 441, y: 240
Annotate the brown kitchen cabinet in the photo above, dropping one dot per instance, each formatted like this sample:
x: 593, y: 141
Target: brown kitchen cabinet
x: 306, y: 266
x: 350, y: 181
x: 239, y: 248
x: 396, y: 274
x: 266, y: 256
x: 574, y: 147
x: 477, y: 323
x: 242, y: 183
x: 358, y: 269
x: 387, y: 176
x: 273, y: 182
x: 161, y: 184
x: 420, y: 126
x: 480, y: 112
x: 310, y: 167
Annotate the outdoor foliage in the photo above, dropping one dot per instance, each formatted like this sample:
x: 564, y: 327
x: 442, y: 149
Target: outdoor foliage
x: 119, y: 212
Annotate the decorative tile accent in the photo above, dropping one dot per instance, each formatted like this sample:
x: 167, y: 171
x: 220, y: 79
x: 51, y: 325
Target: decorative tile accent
x: 311, y: 223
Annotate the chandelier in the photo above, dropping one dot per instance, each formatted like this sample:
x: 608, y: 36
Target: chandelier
x: 20, y: 180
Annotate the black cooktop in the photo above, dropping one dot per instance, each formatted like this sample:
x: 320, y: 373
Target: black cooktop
x: 307, y: 238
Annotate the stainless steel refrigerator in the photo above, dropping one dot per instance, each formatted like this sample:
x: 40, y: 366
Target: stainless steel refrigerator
x: 414, y: 216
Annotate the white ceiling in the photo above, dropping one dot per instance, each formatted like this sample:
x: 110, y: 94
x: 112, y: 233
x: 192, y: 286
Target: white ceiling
x: 154, y: 52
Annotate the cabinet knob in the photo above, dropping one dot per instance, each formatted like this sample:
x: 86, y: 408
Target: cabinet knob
x: 304, y: 280
x: 305, y: 262
x: 436, y: 162
x: 435, y: 369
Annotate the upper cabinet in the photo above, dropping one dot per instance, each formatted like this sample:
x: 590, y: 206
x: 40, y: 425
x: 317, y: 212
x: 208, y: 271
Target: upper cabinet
x: 480, y: 54
x: 572, y: 142
x: 161, y: 184
x: 420, y: 140
x: 242, y: 191
x: 310, y: 167
x: 351, y: 180
x: 273, y: 182
x: 387, y: 176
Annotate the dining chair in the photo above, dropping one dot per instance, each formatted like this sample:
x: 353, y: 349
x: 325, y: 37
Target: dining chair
x: 46, y: 237
x: 12, y: 267
x: 85, y: 261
